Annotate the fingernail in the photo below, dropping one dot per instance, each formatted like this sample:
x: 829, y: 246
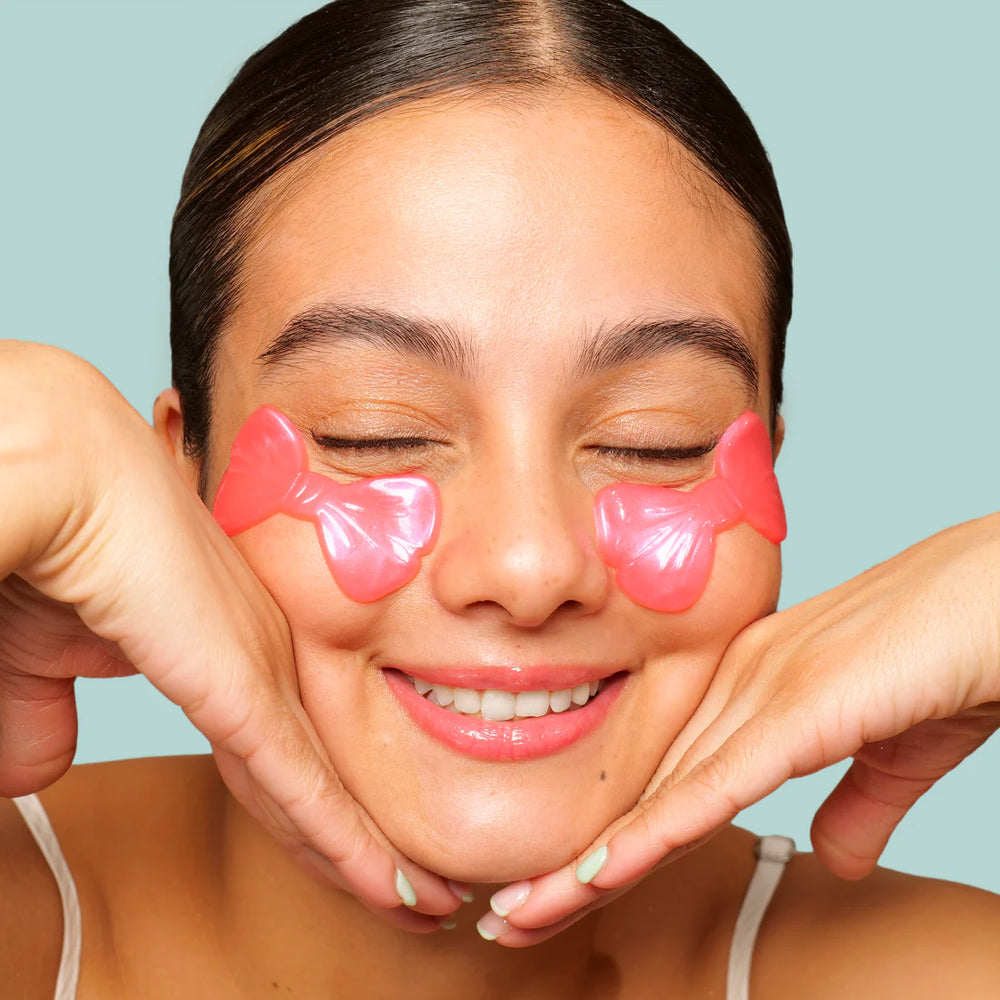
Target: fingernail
x: 591, y: 865
x: 461, y: 891
x: 491, y: 926
x: 509, y: 898
x: 404, y: 890
x: 448, y: 925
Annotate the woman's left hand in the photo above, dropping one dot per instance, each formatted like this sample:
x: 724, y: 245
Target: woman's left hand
x: 898, y: 668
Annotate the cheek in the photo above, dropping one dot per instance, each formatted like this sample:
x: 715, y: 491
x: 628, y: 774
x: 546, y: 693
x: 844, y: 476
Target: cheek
x: 745, y: 580
x: 742, y: 587
x: 684, y: 650
x: 285, y: 555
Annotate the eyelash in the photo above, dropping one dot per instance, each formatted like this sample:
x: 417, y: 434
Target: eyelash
x: 611, y: 451
x: 372, y: 444
x: 656, y: 454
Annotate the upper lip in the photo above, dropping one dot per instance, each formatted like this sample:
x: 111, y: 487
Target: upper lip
x: 496, y: 677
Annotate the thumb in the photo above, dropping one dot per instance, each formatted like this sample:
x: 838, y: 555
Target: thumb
x: 697, y: 799
x: 37, y: 731
x: 852, y: 827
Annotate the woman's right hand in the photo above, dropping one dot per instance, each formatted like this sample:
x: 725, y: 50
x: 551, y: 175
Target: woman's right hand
x: 110, y: 565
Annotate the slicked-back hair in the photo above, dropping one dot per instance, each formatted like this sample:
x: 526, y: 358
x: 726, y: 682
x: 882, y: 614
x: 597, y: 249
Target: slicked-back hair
x: 353, y: 59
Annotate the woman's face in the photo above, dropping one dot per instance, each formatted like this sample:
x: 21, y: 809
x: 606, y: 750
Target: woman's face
x: 518, y: 239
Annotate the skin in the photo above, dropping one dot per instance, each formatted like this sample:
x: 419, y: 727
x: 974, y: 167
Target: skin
x: 479, y: 223
x: 497, y: 219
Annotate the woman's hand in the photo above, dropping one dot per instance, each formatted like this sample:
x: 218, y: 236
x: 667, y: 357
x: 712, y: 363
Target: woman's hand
x: 110, y: 565
x: 898, y: 668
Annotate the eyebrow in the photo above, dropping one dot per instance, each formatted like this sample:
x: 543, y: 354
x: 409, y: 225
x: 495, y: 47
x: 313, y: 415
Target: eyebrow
x: 331, y: 324
x: 603, y: 350
x: 640, y: 340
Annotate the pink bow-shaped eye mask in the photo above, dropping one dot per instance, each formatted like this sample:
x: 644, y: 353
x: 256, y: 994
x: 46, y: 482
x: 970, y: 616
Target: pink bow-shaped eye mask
x: 372, y: 532
x: 661, y: 541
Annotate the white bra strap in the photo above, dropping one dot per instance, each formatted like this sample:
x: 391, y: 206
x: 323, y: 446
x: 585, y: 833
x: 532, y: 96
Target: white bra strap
x: 772, y: 853
x: 37, y: 819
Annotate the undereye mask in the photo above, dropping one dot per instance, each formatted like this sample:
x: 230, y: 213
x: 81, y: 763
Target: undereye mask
x: 373, y: 532
x: 659, y: 541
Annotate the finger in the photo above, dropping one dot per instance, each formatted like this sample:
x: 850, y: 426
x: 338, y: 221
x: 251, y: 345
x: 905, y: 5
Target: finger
x: 554, y: 902
x: 405, y: 919
x: 42, y: 636
x: 400, y: 916
x: 38, y: 730
x: 685, y: 809
x: 555, y: 897
x: 852, y: 827
x: 697, y: 800
x: 285, y: 784
x: 494, y: 928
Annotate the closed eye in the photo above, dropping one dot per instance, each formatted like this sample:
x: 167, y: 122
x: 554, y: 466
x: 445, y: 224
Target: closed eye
x: 655, y: 454
x: 372, y: 444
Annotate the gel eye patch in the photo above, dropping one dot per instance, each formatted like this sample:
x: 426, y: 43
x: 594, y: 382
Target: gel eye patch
x: 660, y: 541
x: 372, y: 532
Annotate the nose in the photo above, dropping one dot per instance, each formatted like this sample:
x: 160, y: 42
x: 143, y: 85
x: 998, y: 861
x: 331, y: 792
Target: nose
x: 518, y: 543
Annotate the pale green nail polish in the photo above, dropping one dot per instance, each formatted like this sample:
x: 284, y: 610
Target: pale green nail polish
x: 491, y: 926
x: 591, y: 865
x: 404, y: 890
x: 449, y: 925
x: 509, y: 898
x: 461, y: 891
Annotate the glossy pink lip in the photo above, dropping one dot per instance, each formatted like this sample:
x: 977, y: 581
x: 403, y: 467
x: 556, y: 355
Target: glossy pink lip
x: 518, y: 739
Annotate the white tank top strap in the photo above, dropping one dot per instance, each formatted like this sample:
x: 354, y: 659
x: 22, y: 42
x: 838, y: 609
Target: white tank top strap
x: 37, y: 819
x: 772, y: 853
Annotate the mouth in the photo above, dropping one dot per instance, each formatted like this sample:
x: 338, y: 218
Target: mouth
x: 507, y: 723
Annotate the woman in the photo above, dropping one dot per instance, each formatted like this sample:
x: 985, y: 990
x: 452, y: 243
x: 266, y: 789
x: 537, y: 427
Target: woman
x: 490, y: 245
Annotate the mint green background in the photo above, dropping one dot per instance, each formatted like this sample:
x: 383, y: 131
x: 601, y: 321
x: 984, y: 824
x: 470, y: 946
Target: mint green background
x: 882, y: 120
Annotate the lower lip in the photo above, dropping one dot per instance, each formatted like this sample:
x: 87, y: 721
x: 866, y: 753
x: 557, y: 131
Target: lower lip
x: 517, y: 739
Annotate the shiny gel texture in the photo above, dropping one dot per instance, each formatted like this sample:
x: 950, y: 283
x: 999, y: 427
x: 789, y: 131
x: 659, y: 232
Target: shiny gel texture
x: 373, y: 532
x: 660, y: 541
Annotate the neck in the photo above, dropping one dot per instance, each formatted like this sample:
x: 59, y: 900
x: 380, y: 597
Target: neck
x: 288, y: 931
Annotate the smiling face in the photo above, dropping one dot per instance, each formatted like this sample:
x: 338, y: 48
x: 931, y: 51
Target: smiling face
x: 524, y: 303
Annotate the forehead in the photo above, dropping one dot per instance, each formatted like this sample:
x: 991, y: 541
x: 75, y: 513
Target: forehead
x: 504, y: 215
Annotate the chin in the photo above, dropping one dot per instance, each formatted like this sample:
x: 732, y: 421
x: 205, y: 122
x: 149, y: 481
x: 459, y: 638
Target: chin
x: 504, y: 855
x: 496, y: 857
x: 503, y: 834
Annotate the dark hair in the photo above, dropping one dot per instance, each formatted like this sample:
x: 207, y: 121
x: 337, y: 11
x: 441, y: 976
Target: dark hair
x: 353, y: 59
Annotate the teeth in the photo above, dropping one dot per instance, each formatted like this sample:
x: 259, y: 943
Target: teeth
x: 559, y: 701
x: 531, y: 704
x: 500, y: 706
x: 467, y: 702
x: 445, y: 695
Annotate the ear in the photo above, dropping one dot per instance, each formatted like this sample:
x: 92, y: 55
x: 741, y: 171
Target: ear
x: 168, y: 423
x: 779, y: 434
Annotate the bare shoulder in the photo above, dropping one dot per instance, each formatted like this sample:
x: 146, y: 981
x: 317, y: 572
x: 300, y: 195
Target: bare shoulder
x: 118, y: 825
x: 890, y: 935
x: 30, y: 911
x: 99, y: 809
